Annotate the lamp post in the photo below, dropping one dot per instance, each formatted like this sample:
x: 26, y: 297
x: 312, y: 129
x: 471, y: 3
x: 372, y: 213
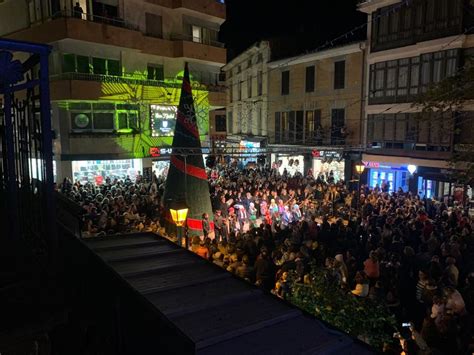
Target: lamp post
x: 179, y: 213
x: 359, y: 168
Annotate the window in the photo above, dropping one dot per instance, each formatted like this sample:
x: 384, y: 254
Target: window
x: 231, y: 92
x: 83, y: 64
x: 154, y: 25
x: 220, y: 123
x: 284, y: 126
x: 337, y: 124
x: 299, y: 127
x: 259, y: 120
x: 410, y: 22
x: 196, y: 32
x: 339, y: 74
x: 99, y: 66
x: 309, y: 126
x: 103, y: 117
x: 155, y: 72
x: 259, y: 83
x: 69, y: 63
x: 113, y: 67
x: 403, y: 130
x: 310, y: 71
x: 249, y: 85
x: 285, y: 82
x: 249, y: 63
x: 400, y: 80
x: 230, y: 122
x: 277, y: 127
x: 239, y: 90
x: 291, y: 135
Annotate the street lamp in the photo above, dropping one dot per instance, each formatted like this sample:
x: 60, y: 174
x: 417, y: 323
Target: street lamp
x: 179, y: 213
x: 359, y: 168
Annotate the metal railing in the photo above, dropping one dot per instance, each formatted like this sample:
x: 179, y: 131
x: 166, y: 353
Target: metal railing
x: 108, y: 20
x: 135, y: 79
x: 191, y: 38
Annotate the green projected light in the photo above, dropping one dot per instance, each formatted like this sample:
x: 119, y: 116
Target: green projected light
x: 134, y: 125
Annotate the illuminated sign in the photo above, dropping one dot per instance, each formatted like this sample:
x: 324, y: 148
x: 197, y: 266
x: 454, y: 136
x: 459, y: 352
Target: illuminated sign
x: 378, y: 165
x: 327, y: 154
x: 156, y: 152
x: 163, y: 120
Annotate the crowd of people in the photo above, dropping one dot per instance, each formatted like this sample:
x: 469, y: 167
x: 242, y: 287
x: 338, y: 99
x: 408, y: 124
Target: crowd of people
x: 415, y: 256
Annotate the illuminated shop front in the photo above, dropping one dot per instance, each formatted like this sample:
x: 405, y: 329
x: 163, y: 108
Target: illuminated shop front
x: 96, y: 171
x: 249, y: 152
x: 380, y: 174
x: 292, y: 163
x: 327, y: 163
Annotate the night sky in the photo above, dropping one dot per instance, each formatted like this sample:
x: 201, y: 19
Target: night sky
x: 311, y: 22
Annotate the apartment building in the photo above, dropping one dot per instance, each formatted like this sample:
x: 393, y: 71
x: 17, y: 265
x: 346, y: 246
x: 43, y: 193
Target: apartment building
x: 413, y: 45
x: 315, y: 106
x: 246, y: 94
x: 115, y: 74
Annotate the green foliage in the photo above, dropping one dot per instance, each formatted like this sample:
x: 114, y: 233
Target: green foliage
x: 449, y: 96
x: 363, y: 318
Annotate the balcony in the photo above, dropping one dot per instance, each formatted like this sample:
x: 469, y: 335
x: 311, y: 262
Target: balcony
x: 209, y: 7
x: 185, y: 46
x: 116, y: 32
x: 86, y: 86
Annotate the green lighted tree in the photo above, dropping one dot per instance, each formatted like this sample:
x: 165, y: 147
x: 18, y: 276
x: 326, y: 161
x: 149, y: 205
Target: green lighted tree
x: 363, y: 318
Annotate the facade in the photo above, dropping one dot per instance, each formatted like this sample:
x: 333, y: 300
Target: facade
x: 115, y: 74
x: 247, y: 96
x: 412, y: 45
x: 315, y: 106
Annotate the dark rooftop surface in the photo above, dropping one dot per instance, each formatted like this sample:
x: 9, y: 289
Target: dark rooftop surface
x: 220, y: 313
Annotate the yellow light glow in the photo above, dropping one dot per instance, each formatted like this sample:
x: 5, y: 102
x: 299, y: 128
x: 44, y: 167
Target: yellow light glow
x: 179, y: 216
x: 360, y: 168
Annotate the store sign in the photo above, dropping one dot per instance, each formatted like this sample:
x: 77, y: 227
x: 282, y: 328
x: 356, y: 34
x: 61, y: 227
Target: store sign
x: 378, y: 165
x: 371, y: 164
x: 327, y: 154
x: 156, y: 152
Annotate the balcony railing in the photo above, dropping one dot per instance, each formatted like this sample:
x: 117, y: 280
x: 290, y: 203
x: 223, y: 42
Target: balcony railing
x: 108, y: 20
x: 190, y: 38
x: 135, y: 79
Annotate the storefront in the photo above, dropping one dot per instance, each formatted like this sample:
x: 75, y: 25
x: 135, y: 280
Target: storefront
x: 292, y: 163
x: 97, y: 171
x: 380, y: 174
x: 328, y: 163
